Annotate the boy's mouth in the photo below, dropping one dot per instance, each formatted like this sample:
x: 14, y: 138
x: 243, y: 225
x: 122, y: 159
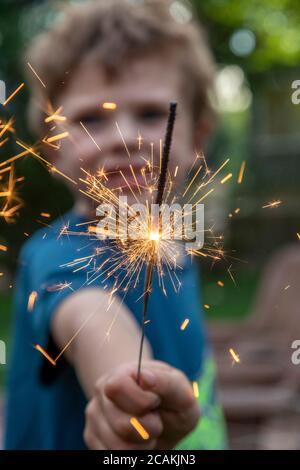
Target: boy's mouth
x: 132, y: 175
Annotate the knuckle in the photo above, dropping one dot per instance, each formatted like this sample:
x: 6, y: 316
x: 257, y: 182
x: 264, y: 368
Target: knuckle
x: 123, y: 427
x: 196, y: 415
x: 99, y: 386
x: 89, y: 410
x: 153, y: 424
x: 180, y: 376
x: 111, y: 387
x: 145, y: 402
x: 88, y: 438
x: 190, y: 400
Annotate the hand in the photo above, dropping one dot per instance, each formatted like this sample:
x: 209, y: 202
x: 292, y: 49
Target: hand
x: 179, y: 409
x: 116, y: 400
x: 164, y: 404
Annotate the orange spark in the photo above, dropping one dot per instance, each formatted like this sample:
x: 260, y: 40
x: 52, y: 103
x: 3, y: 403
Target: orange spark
x: 15, y: 157
x: 220, y: 283
x: 241, y: 172
x: 234, y: 355
x: 5, y: 193
x: 3, y: 142
x: 123, y: 140
x: 272, y: 204
x: 7, y: 127
x: 196, y: 389
x: 226, y: 178
x: 3, y: 248
x: 56, y: 116
x: 51, y: 167
x: 5, y: 170
x: 45, y: 214
x: 35, y: 73
x: 45, y: 354
x: 31, y: 300
x: 139, y: 428
x: 91, y: 137
x: 60, y: 286
x: 140, y: 140
x: 13, y: 94
x: 184, y: 324
x: 206, y: 306
x: 56, y: 137
x: 205, y: 195
x: 108, y: 105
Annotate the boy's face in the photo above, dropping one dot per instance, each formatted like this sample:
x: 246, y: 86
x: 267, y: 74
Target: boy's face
x: 142, y: 93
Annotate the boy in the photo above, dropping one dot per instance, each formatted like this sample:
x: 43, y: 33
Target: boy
x: 140, y: 56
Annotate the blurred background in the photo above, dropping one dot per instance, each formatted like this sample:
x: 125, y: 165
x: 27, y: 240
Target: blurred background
x: 254, y: 295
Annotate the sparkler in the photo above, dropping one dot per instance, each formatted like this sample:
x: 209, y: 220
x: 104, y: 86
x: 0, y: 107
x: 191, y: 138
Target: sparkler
x: 155, y: 249
x: 159, y: 199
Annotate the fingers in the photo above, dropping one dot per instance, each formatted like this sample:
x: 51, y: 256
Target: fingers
x: 120, y: 423
x: 99, y: 433
x: 163, y: 403
x: 123, y: 390
x: 158, y: 380
x: 171, y: 385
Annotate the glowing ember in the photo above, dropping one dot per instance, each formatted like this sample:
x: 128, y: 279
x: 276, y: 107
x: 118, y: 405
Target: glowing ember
x: 234, y: 355
x: 45, y: 354
x: 184, y: 324
x: 226, y: 178
x: 196, y: 389
x: 31, y: 300
x: 13, y: 94
x: 139, y: 428
x: 109, y: 105
x: 272, y: 204
x: 241, y: 172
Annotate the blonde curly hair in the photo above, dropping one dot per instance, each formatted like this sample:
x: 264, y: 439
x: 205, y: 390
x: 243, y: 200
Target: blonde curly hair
x: 112, y: 33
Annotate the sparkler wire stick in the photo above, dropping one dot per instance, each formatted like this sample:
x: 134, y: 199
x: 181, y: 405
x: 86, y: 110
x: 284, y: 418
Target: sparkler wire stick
x: 159, y: 199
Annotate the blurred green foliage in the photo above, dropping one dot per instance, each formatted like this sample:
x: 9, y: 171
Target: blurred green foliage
x: 275, y: 24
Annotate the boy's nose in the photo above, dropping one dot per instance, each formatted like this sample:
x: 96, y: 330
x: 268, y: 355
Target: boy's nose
x: 123, y: 137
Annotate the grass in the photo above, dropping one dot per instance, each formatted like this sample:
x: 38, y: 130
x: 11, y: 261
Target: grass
x: 231, y: 301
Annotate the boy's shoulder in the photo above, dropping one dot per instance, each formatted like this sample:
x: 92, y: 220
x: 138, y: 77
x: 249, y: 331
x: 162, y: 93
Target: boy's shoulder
x: 46, y: 243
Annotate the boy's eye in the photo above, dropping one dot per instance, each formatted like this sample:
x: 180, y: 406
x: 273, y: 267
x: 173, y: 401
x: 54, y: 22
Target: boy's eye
x: 151, y: 114
x: 90, y: 119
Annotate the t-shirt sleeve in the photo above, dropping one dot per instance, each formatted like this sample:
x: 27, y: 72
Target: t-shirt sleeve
x: 52, y: 277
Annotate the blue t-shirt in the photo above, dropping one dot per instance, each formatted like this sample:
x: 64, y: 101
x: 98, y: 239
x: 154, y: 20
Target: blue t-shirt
x: 45, y: 406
